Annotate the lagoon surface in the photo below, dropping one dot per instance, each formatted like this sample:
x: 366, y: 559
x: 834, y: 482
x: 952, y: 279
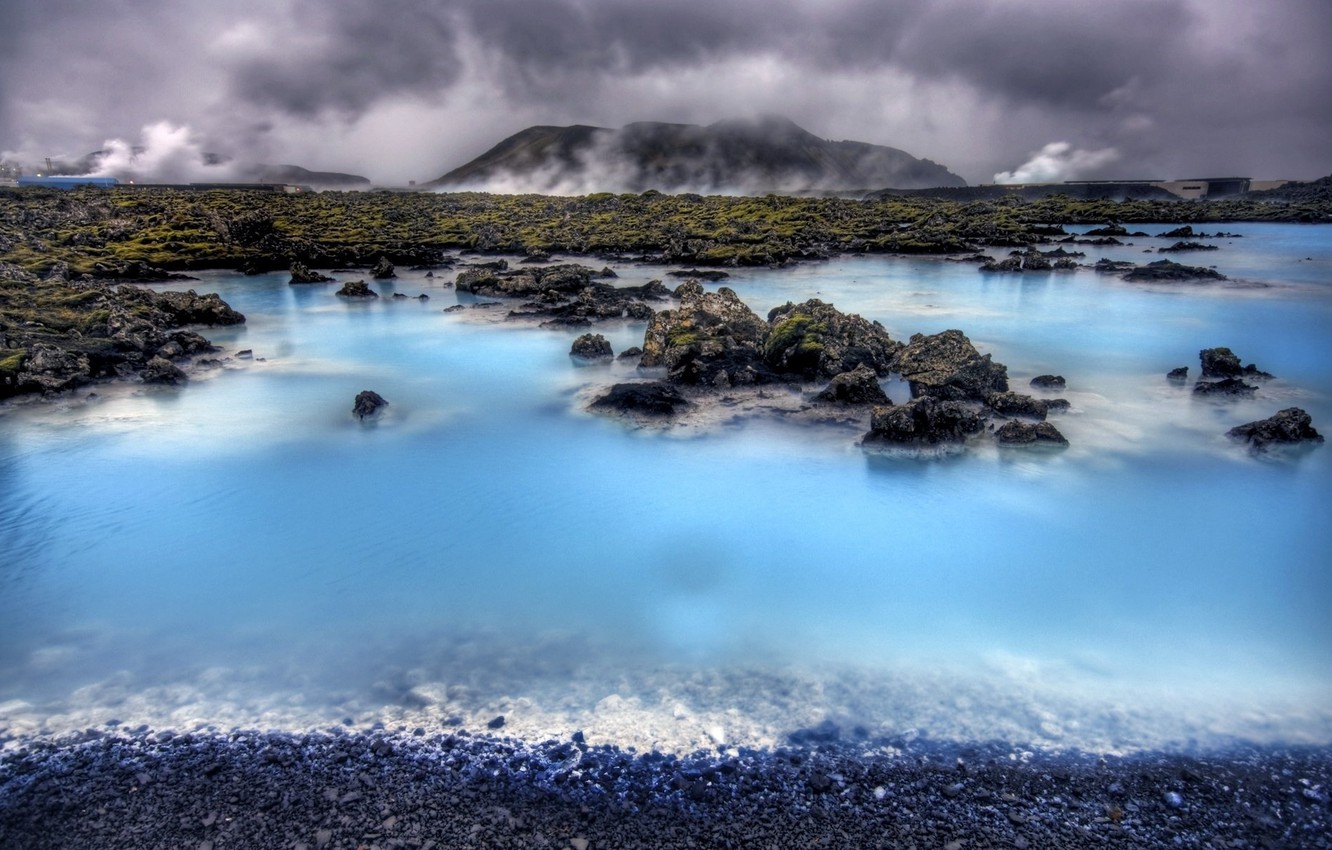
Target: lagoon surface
x: 241, y: 552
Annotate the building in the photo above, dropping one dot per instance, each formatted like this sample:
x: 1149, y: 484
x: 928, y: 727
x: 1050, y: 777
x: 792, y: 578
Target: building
x: 68, y: 182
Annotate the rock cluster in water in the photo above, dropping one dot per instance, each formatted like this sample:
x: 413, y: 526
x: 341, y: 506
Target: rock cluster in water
x: 58, y: 335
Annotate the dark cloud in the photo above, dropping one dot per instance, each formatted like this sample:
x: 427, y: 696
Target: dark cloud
x: 410, y: 88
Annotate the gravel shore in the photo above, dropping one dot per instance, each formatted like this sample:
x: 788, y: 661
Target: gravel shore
x: 344, y: 790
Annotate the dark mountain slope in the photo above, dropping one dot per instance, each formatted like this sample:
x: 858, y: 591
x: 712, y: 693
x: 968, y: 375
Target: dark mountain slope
x: 769, y: 154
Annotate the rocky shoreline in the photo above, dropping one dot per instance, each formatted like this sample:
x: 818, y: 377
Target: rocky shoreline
x: 340, y: 790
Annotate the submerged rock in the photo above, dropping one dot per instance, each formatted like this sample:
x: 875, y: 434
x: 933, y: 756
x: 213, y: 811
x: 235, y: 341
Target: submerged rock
x: 816, y: 340
x: 922, y: 423
x: 301, y: 274
x: 1048, y: 382
x: 591, y: 348
x: 1179, y: 373
x: 1017, y: 404
x: 162, y: 371
x: 1228, y: 386
x: 1223, y: 363
x: 712, y: 339
x: 1169, y: 270
x: 644, y: 398
x: 383, y: 269
x: 1015, y: 433
x: 858, y: 386
x: 947, y: 366
x: 1288, y: 426
x: 368, y: 403
x: 357, y: 289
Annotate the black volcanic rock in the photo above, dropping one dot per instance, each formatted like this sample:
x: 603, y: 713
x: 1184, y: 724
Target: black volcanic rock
x: 857, y: 386
x: 1049, y: 382
x: 769, y: 154
x: 1221, y: 362
x: 301, y: 274
x: 646, y: 399
x: 591, y: 348
x: 713, y: 338
x: 1179, y: 373
x: 947, y: 366
x: 922, y: 423
x: 383, y: 270
x: 368, y: 403
x: 1169, y: 271
x: 816, y: 340
x: 357, y: 289
x: 1224, y: 387
x: 1291, y: 425
x: 1016, y: 404
x: 1014, y: 433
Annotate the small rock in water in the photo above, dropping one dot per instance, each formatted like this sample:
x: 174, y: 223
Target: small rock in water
x: 1173, y: 799
x: 496, y: 723
x: 368, y: 403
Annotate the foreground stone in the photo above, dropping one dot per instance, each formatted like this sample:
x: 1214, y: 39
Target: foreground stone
x: 1288, y: 426
x: 368, y: 403
x: 301, y: 274
x: 1226, y: 387
x: 816, y: 340
x: 1015, y: 433
x: 711, y: 339
x: 858, y: 386
x: 357, y: 289
x: 651, y: 399
x: 1223, y: 363
x: 591, y: 348
x: 922, y: 423
x: 947, y: 366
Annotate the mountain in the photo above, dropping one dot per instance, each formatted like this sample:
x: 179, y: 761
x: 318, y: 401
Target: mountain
x: 296, y: 175
x: 744, y: 156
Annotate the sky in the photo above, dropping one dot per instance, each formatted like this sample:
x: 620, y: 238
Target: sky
x: 402, y: 90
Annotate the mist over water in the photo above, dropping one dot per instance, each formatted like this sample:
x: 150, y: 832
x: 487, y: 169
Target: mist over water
x: 242, y: 552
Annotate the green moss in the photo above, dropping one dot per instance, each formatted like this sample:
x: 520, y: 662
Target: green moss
x: 11, y: 362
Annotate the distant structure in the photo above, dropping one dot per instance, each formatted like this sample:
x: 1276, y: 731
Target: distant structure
x: 67, y: 182
x: 1189, y: 190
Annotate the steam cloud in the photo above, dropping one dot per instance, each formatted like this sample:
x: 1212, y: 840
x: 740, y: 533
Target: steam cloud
x: 1057, y: 162
x: 167, y: 154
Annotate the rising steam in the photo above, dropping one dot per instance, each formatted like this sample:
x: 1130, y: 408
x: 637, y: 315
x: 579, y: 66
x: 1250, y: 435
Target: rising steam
x: 1057, y: 162
x: 167, y: 154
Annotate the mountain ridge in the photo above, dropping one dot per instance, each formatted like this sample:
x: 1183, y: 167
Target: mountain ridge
x: 738, y: 155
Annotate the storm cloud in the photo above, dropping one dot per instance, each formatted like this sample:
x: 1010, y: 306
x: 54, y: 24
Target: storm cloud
x: 404, y: 90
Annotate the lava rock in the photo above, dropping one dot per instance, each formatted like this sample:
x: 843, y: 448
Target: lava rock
x: 1017, y: 404
x: 858, y: 386
x: 1015, y: 433
x: 922, y: 422
x: 1169, y: 271
x: 368, y: 403
x: 1226, y: 387
x: 1289, y: 426
x: 1048, y: 382
x: 712, y: 339
x: 383, y: 269
x: 816, y: 340
x: 1223, y: 363
x: 947, y: 366
x: 1179, y: 373
x: 162, y: 371
x: 301, y: 274
x: 591, y: 348
x: 357, y: 289
x: 652, y: 399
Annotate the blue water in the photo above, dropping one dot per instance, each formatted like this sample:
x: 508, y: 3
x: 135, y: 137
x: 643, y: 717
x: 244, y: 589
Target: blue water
x: 247, y: 521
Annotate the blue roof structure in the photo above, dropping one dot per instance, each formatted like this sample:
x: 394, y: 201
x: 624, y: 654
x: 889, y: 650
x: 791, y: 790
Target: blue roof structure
x: 68, y: 182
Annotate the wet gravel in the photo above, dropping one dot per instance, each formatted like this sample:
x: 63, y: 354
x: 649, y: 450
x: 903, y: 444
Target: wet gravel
x: 344, y: 790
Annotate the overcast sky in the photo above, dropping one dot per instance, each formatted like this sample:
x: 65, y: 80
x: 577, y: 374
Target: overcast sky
x: 402, y: 90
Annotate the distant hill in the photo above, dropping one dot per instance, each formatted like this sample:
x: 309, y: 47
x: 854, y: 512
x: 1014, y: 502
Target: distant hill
x: 754, y: 156
x: 294, y: 174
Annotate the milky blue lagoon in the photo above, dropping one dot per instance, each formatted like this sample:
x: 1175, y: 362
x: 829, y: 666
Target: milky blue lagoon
x: 242, y: 552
